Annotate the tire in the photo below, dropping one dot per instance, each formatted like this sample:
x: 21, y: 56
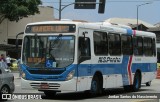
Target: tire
x: 50, y: 93
x: 96, y: 87
x: 148, y: 83
x: 5, y: 90
x: 137, y: 82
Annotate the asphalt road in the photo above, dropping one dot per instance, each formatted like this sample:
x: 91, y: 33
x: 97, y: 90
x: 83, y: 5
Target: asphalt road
x: 83, y: 97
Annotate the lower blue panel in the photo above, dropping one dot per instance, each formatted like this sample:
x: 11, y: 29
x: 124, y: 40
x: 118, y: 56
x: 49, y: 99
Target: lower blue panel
x: 89, y: 70
x: 50, y: 77
x: 107, y: 69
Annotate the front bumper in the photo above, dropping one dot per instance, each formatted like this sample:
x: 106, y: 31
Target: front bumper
x: 62, y: 86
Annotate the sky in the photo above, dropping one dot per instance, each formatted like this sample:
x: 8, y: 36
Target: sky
x: 149, y: 13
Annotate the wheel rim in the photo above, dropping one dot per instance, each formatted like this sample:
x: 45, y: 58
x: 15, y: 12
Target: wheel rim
x: 94, y: 86
x: 4, y: 90
x: 137, y: 83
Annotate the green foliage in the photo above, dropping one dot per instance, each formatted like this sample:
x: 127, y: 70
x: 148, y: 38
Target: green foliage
x: 17, y: 9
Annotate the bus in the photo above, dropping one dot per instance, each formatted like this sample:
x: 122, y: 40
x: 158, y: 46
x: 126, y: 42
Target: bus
x: 69, y: 56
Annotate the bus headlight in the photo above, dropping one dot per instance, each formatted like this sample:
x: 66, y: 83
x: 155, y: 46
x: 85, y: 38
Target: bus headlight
x: 23, y: 75
x: 70, y: 75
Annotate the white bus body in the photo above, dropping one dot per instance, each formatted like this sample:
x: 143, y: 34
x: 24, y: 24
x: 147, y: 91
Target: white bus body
x: 86, y: 56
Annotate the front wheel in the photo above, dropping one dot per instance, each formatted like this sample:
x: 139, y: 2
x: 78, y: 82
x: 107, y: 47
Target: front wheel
x: 96, y: 87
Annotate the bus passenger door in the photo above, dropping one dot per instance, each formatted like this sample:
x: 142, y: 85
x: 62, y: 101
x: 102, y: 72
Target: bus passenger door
x: 84, y: 63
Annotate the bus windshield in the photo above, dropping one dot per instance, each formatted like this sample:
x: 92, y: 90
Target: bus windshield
x: 48, y: 51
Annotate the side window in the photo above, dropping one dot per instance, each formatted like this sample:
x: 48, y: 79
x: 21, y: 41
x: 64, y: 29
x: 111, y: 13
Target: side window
x: 127, y: 45
x: 154, y: 46
x: 137, y: 46
x: 147, y: 46
x: 84, y: 51
x: 114, y: 44
x: 0, y: 71
x: 100, y: 43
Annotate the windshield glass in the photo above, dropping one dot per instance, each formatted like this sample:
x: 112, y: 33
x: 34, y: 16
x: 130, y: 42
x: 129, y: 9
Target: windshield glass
x: 48, y: 51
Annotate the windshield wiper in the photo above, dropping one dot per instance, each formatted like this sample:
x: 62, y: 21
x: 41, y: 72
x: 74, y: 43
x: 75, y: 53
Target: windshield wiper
x: 56, y: 40
x: 52, y: 46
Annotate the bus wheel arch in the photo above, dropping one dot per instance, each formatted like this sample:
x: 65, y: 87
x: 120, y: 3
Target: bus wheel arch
x: 97, y: 83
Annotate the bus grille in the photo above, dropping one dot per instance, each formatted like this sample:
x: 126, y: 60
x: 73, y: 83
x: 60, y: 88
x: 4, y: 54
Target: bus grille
x: 37, y: 85
x: 47, y: 72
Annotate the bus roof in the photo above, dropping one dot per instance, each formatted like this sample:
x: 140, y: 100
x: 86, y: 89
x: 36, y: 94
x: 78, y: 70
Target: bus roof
x: 97, y: 25
x: 53, y: 22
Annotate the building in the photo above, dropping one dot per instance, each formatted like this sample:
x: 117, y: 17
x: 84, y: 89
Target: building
x: 128, y: 21
x: 9, y: 30
x: 156, y: 30
x: 144, y: 26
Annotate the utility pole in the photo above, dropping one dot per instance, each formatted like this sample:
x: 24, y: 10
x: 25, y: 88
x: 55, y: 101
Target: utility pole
x: 60, y: 4
x: 138, y: 9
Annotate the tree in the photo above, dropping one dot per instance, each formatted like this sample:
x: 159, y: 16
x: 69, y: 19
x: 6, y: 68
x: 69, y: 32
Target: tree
x: 15, y: 10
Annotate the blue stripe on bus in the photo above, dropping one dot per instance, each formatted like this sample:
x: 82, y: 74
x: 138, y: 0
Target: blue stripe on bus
x: 115, y: 68
x: 90, y: 69
x: 57, y: 77
x: 106, y: 69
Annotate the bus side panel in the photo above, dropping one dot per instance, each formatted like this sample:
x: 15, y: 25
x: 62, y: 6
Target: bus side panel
x: 146, y: 65
x: 111, y: 71
x: 125, y: 70
x: 84, y: 74
x: 148, y: 71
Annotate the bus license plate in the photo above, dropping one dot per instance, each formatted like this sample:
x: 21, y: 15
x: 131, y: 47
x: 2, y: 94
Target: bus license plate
x: 44, y: 86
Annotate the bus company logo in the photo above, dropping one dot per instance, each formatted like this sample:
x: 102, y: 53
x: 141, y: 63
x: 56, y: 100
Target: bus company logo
x: 109, y: 60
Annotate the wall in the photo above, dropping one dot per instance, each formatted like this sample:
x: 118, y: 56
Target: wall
x: 46, y: 14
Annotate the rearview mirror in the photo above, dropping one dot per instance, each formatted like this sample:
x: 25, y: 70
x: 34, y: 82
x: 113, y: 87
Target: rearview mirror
x: 17, y: 39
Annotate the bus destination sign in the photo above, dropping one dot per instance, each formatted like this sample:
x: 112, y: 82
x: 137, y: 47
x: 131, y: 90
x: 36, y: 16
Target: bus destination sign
x: 56, y: 28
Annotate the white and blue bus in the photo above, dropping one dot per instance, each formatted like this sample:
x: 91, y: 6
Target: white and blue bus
x: 68, y: 56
